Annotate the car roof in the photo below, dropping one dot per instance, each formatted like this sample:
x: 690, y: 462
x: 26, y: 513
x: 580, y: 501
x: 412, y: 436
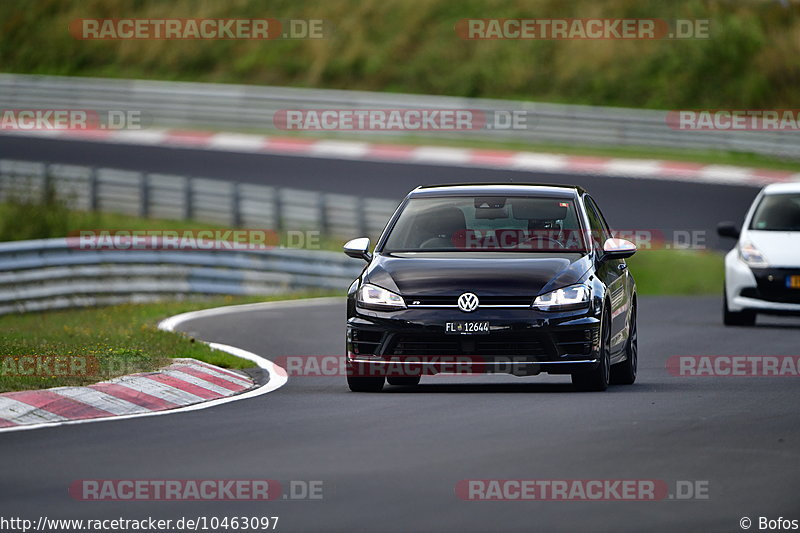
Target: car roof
x: 782, y: 188
x: 499, y: 189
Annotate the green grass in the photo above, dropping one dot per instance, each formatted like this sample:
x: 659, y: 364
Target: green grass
x: 684, y: 272
x: 106, y: 342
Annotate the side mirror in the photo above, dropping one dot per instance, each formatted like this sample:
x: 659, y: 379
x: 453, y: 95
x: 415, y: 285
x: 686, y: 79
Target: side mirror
x: 728, y: 229
x: 358, y: 249
x: 618, y: 249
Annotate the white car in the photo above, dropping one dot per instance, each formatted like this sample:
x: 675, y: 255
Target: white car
x: 762, y: 272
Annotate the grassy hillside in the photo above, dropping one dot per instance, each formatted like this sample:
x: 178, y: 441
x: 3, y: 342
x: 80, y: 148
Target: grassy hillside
x: 411, y: 46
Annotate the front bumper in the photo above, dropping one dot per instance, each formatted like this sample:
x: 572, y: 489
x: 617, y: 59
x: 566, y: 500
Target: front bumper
x: 760, y: 289
x: 522, y: 342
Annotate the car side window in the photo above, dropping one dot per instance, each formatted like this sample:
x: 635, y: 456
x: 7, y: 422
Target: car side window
x: 597, y: 225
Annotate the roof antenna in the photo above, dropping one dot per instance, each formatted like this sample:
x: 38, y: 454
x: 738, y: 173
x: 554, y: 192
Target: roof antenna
x: 511, y: 180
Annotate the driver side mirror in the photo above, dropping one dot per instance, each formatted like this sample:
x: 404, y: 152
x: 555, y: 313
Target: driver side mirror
x: 618, y: 249
x: 728, y: 229
x: 358, y: 249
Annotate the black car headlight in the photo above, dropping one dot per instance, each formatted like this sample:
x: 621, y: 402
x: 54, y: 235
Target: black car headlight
x: 373, y: 297
x: 563, y: 299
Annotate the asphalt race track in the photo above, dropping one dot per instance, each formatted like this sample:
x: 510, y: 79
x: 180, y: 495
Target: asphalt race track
x: 390, y: 461
x: 628, y: 204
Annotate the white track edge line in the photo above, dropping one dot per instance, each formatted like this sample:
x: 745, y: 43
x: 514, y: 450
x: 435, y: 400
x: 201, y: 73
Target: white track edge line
x: 169, y: 324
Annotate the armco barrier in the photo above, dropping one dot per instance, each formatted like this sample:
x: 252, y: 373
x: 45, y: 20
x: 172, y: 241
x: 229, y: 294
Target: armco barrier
x: 248, y: 108
x: 49, y: 274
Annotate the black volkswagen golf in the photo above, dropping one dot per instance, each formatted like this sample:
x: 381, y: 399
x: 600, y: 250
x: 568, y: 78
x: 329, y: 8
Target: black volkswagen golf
x: 482, y: 278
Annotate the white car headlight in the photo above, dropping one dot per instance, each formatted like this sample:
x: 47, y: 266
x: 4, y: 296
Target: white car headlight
x: 752, y: 255
x: 374, y: 297
x: 572, y: 297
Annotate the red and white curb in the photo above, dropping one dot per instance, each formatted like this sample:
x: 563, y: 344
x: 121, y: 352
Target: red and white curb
x: 186, y: 385
x: 431, y: 155
x: 184, y: 382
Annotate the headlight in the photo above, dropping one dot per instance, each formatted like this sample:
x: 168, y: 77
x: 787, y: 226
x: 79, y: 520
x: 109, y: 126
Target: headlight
x: 374, y: 297
x: 752, y: 255
x: 572, y: 297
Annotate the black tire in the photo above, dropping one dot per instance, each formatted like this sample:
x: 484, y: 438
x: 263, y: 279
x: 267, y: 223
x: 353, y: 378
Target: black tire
x: 624, y: 373
x: 406, y: 381
x: 736, y: 318
x: 597, y: 379
x: 371, y: 384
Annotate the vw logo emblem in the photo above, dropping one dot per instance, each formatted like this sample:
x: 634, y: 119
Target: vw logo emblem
x: 468, y: 302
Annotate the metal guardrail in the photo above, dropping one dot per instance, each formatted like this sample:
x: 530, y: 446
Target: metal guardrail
x: 248, y: 108
x: 187, y: 198
x: 49, y: 274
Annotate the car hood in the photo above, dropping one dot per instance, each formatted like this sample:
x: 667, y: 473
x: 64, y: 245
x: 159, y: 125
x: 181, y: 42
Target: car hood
x: 486, y: 273
x: 781, y: 248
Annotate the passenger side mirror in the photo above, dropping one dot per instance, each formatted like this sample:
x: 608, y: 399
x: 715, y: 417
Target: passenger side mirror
x: 728, y: 229
x: 618, y: 249
x: 358, y: 249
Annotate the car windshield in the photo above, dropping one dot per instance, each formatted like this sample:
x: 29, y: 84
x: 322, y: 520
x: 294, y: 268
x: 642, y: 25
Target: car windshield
x: 777, y: 212
x: 487, y: 223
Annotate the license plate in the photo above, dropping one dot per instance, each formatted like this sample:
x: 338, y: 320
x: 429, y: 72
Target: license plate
x: 466, y: 328
x: 793, y: 282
